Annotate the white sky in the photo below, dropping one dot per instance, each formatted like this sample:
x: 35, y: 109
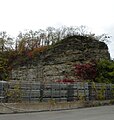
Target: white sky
x: 18, y: 15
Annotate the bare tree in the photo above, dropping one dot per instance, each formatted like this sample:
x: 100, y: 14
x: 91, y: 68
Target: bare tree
x: 29, y: 40
x: 82, y: 30
x: 6, y: 42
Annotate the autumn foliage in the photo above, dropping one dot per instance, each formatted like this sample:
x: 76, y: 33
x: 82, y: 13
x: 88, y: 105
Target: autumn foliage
x: 35, y: 51
x: 87, y: 71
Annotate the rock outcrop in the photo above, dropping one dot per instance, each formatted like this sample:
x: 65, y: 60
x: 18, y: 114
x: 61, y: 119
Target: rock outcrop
x: 58, y: 60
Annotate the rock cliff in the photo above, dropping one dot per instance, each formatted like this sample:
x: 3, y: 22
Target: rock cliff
x: 58, y: 60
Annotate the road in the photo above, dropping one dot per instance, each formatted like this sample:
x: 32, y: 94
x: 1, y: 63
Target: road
x: 95, y: 113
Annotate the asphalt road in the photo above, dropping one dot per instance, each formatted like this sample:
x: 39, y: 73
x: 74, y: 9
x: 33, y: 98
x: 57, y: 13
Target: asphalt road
x: 95, y: 113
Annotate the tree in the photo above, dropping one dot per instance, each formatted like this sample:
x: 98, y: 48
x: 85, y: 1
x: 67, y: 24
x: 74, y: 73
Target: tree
x: 105, y: 70
x: 82, y: 30
x: 3, y: 68
x: 30, y: 40
x: 6, y: 42
x: 51, y: 35
x: 102, y: 71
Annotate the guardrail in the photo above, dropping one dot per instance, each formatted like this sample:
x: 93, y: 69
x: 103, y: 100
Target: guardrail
x: 16, y: 91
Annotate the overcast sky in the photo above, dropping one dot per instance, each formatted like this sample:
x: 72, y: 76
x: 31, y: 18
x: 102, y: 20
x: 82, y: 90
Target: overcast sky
x: 18, y: 15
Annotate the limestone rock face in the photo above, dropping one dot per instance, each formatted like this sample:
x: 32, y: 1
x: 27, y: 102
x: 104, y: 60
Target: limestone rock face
x: 58, y: 61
